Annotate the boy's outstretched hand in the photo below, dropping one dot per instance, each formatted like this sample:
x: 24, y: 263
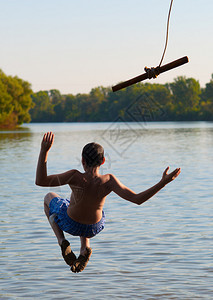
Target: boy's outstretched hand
x: 47, y: 141
x: 166, y: 178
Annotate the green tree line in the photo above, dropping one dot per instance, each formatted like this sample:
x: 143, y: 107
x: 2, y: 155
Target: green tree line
x: 181, y: 100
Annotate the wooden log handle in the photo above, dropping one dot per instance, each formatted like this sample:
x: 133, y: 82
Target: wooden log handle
x: 159, y: 70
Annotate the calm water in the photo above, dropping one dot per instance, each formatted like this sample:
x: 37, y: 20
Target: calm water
x: 160, y: 250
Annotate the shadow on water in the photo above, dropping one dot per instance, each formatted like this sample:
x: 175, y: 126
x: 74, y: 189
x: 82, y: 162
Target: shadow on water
x: 8, y: 137
x: 16, y: 130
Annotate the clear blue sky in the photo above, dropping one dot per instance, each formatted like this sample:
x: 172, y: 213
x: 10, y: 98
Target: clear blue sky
x: 75, y: 45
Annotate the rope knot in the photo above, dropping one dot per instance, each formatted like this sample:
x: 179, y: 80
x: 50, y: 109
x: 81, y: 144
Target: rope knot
x: 152, y: 72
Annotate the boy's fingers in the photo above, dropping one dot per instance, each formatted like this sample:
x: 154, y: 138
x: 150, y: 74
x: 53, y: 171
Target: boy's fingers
x: 177, y: 170
x: 44, y: 138
x: 175, y: 173
x: 48, y: 136
x: 52, y: 138
x: 165, y: 172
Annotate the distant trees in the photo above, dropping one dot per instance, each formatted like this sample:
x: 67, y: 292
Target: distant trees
x: 15, y: 101
x: 68, y: 108
x: 181, y: 100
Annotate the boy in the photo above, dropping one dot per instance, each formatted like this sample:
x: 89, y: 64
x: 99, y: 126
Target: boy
x: 82, y: 215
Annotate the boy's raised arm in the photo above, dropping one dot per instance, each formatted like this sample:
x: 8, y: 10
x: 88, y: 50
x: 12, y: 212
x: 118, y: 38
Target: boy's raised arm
x: 46, y: 144
x: 42, y: 179
x: 140, y: 198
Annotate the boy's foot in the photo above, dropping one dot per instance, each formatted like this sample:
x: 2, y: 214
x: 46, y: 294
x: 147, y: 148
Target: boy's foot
x: 80, y: 264
x: 67, y: 253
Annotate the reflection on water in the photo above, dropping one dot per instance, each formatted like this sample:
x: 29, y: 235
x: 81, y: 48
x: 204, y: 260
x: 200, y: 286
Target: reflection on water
x: 160, y: 250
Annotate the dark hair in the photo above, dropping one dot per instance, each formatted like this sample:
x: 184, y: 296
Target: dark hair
x: 93, y: 154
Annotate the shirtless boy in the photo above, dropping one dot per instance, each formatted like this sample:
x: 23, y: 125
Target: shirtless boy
x: 82, y: 215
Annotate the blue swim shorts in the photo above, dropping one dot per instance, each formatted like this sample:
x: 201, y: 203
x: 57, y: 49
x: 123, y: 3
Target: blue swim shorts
x: 59, y: 207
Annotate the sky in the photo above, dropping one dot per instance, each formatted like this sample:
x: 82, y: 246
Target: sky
x: 76, y: 45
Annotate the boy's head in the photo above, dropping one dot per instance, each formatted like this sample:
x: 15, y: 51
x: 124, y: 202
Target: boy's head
x: 93, y: 155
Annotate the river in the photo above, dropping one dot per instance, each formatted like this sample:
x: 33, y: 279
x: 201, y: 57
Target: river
x: 162, y: 249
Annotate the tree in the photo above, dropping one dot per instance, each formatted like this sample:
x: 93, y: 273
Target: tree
x: 15, y: 101
x: 72, y: 111
x: 207, y: 101
x: 156, y: 99
x: 96, y: 97
x: 6, y: 107
x: 43, y: 110
x: 185, y: 97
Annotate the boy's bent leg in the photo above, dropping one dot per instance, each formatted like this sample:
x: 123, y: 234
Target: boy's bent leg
x: 83, y: 259
x: 58, y: 232
x: 66, y: 251
x: 85, y: 243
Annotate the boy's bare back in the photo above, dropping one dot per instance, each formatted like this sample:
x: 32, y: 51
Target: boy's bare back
x: 88, y: 196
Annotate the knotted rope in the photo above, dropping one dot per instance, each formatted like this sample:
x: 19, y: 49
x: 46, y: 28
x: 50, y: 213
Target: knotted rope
x: 152, y: 72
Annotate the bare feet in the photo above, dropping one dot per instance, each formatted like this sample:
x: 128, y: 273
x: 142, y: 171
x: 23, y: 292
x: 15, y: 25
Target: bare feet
x: 67, y: 253
x: 80, y: 264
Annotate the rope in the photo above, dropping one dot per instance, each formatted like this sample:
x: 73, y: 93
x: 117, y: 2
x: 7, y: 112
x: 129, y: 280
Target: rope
x: 167, y: 33
x: 154, y: 72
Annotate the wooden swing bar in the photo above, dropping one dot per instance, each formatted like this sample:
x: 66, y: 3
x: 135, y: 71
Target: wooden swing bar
x: 155, y: 71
